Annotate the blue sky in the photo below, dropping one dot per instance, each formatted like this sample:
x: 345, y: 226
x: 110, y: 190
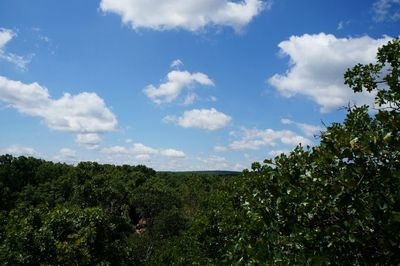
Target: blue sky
x: 178, y: 84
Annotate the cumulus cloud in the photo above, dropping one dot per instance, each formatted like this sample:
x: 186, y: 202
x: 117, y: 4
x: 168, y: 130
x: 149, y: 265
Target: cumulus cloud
x: 90, y: 141
x: 183, y: 14
x: 18, y: 150
x: 139, y: 150
x: 386, y: 10
x: 317, y: 65
x: 84, y: 114
x: 209, y: 119
x: 143, y: 149
x: 6, y: 36
x: 308, y: 129
x: 254, y: 139
x: 176, y: 82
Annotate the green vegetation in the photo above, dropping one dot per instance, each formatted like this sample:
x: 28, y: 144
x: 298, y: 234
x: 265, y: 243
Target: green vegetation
x: 336, y: 203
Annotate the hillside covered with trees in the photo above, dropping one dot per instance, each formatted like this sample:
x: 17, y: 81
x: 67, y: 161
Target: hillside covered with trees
x: 335, y: 203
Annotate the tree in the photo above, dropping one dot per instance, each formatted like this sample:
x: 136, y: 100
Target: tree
x: 55, y: 214
x: 64, y: 236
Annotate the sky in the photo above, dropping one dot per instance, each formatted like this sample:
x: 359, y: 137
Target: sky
x: 178, y: 84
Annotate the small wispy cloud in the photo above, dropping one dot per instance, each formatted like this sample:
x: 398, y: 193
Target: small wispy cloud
x: 386, y: 10
x: 176, y: 63
x: 308, y: 129
x: 254, y: 139
x: 21, y: 62
x: 342, y: 24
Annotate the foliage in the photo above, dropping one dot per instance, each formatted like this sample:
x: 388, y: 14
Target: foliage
x: 53, y: 214
x: 63, y: 235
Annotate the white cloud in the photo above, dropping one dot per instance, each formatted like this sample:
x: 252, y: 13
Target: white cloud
x: 165, y: 159
x: 293, y: 140
x: 386, y: 10
x: 66, y: 155
x: 254, y: 139
x: 84, y: 114
x: 143, y: 149
x: 342, y: 24
x: 143, y: 157
x: 183, y: 14
x: 6, y: 36
x: 190, y: 99
x: 275, y: 153
x: 253, y: 158
x: 140, y: 150
x: 308, y: 129
x: 18, y: 150
x: 218, y: 148
x: 317, y: 65
x: 176, y: 63
x: 176, y: 82
x: 90, y: 140
x: 213, y: 162
x: 171, y: 153
x: 209, y: 119
x: 115, y: 150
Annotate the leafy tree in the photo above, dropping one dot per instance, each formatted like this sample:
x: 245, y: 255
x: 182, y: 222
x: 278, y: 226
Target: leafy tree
x: 64, y: 235
x: 339, y: 202
x: 56, y: 214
